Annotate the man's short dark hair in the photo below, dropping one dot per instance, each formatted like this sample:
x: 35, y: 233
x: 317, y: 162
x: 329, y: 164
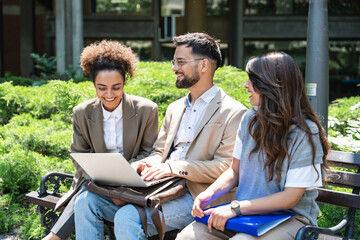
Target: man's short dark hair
x: 202, y: 44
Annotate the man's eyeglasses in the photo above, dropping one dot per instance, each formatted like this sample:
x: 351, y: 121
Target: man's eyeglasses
x: 181, y: 62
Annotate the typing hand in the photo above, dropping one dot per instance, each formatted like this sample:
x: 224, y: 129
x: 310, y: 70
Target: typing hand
x: 200, y: 202
x: 156, y: 172
x: 219, y: 216
x: 140, y: 166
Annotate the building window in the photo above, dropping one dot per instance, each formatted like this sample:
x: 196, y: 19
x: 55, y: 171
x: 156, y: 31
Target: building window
x: 297, y: 49
x: 172, y: 8
x: 344, y: 62
x: 299, y: 7
x: 218, y: 8
x: 123, y: 7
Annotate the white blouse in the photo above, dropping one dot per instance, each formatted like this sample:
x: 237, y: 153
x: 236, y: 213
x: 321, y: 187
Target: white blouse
x: 113, y: 129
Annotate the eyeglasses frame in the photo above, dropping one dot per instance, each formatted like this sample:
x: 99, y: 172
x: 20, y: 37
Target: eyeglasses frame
x: 175, y: 63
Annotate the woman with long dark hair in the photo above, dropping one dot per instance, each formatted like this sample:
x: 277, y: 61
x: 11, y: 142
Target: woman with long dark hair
x: 279, y: 156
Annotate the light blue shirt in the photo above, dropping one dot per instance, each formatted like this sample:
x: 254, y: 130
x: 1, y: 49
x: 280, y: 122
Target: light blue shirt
x: 190, y: 122
x: 253, y: 178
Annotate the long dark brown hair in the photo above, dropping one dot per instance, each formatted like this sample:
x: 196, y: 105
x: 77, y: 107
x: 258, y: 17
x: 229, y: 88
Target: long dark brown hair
x: 278, y: 80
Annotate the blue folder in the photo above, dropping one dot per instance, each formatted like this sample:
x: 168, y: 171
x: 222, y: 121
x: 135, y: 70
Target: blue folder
x: 255, y: 225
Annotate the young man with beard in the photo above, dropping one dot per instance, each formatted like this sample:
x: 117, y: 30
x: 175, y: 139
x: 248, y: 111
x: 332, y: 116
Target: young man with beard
x: 195, y: 142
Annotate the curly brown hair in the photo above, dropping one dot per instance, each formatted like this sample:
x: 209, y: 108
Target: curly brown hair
x: 108, y: 55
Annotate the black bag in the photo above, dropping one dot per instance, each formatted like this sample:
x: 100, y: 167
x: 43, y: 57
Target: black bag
x: 141, y: 197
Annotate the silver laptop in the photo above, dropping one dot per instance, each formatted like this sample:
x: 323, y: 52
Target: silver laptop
x: 111, y: 169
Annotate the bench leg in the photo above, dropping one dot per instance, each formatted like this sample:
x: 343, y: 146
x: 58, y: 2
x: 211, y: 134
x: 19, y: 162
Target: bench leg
x: 48, y: 218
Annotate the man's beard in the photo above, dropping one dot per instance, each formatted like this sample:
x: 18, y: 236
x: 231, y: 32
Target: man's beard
x: 188, y: 81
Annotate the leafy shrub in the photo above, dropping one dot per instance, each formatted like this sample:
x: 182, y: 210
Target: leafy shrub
x: 38, y: 101
x: 344, y: 124
x: 47, y: 65
x: 30, y: 228
x: 331, y: 215
x: 68, y: 95
x: 19, y: 171
x: 17, y: 81
x: 11, y: 213
x: 345, y: 109
x: 45, y: 136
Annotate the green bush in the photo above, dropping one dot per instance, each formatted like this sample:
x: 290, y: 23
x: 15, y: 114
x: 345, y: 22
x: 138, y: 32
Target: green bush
x: 47, y: 65
x: 19, y: 171
x: 38, y: 101
x: 331, y: 215
x: 69, y: 94
x: 45, y: 136
x: 30, y: 229
x: 344, y: 124
x: 11, y: 214
x: 17, y: 81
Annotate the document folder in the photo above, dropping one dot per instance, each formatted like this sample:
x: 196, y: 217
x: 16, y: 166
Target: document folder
x: 255, y: 225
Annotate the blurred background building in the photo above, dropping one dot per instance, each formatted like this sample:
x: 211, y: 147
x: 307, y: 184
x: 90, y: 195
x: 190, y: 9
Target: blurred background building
x: 245, y: 27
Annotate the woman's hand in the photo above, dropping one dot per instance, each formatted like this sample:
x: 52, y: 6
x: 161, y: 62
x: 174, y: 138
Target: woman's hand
x: 219, y: 216
x: 200, y: 202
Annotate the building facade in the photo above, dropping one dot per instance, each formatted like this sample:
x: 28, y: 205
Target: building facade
x: 245, y: 27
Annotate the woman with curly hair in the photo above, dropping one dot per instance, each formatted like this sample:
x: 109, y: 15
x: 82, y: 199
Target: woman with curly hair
x: 278, y: 160
x: 113, y: 122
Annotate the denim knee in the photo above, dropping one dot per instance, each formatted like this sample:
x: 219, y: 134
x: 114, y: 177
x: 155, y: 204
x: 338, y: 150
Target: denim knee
x: 85, y: 200
x: 127, y: 223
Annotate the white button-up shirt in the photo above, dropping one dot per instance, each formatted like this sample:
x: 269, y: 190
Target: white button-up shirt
x: 113, y: 129
x: 190, y: 122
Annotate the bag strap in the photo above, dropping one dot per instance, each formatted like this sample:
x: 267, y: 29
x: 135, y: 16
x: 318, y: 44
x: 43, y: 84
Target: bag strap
x: 143, y: 217
x: 160, y: 225
x: 155, y: 216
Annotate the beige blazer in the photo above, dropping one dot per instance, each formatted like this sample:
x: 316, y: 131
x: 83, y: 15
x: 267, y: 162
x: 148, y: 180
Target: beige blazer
x: 210, y: 154
x: 140, y: 130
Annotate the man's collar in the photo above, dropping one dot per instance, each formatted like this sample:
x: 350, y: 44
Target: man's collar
x: 206, y: 96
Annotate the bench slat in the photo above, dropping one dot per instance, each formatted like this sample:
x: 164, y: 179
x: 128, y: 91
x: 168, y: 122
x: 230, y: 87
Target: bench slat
x: 344, y: 159
x: 49, y: 201
x: 343, y: 179
x: 338, y: 198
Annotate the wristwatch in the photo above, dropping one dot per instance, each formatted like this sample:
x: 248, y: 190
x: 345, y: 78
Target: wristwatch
x: 235, y: 206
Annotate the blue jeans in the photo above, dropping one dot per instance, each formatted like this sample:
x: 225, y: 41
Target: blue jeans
x: 91, y: 209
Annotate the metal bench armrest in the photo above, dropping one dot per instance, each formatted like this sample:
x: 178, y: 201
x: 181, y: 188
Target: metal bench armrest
x: 56, y: 178
x: 311, y: 232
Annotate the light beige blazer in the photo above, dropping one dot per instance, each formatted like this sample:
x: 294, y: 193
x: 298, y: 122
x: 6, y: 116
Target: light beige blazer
x: 140, y: 130
x: 210, y: 153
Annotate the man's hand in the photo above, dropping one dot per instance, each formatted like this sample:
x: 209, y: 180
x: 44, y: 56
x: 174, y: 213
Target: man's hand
x: 200, y: 202
x: 156, y: 172
x: 219, y: 216
x: 139, y: 166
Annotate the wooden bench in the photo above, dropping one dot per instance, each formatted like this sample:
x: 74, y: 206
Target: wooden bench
x: 351, y: 201
x: 46, y: 199
x: 48, y: 195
